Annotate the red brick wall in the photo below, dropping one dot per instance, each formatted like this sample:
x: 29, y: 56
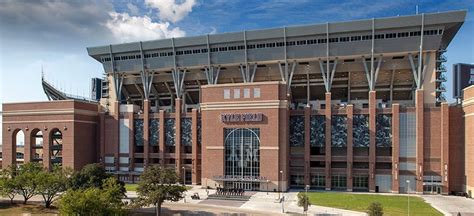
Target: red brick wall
x: 456, y: 149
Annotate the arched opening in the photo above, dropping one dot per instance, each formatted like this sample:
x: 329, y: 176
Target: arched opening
x: 37, y: 145
x: 56, y: 146
x: 242, y: 158
x: 19, y: 146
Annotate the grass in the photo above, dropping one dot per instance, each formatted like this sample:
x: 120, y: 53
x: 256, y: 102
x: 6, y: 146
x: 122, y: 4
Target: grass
x: 133, y: 187
x: 392, y: 204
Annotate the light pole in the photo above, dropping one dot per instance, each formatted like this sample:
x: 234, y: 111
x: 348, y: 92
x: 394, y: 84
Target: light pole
x: 280, y: 184
x: 306, y: 199
x: 184, y: 175
x: 268, y: 181
x: 408, y: 192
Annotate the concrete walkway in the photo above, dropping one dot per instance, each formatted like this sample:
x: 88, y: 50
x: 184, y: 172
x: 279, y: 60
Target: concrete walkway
x: 451, y: 205
x: 260, y: 203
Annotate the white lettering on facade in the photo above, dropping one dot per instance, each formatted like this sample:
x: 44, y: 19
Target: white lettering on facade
x: 241, y: 117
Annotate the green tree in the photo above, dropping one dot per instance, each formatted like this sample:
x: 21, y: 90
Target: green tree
x: 7, y: 185
x: 25, y: 178
x: 91, y: 175
x: 303, y: 201
x: 375, y: 209
x: 50, y: 184
x: 158, y: 185
x: 94, y: 200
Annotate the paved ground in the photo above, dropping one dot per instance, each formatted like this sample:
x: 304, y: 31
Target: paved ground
x: 451, y: 205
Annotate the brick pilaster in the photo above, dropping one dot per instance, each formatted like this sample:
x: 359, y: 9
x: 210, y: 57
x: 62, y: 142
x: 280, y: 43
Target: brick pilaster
x: 194, y: 152
x: 395, y: 148
x: 178, y: 137
x: 162, y: 138
x: 350, y: 155
x: 419, y: 110
x: 27, y: 150
x: 307, y: 147
x: 102, y: 138
x: 146, y: 131
x: 47, y: 149
x: 445, y: 147
x: 8, y: 148
x: 372, y: 133
x: 131, y: 144
x: 328, y: 114
x: 117, y: 143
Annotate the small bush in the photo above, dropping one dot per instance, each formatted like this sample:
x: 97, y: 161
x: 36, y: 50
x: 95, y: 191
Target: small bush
x: 375, y: 209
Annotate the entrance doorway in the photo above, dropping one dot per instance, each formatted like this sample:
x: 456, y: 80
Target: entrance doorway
x: 247, y: 186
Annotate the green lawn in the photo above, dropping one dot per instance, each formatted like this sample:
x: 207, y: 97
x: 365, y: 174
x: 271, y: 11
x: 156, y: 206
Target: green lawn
x: 133, y: 187
x: 392, y: 205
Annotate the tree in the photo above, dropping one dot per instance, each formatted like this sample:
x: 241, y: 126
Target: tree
x: 375, y: 209
x: 158, y: 185
x: 25, y: 178
x: 303, y: 201
x: 91, y: 175
x: 94, y: 200
x: 50, y: 184
x: 7, y: 185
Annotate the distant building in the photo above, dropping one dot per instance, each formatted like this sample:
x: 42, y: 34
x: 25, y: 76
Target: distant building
x: 463, y: 77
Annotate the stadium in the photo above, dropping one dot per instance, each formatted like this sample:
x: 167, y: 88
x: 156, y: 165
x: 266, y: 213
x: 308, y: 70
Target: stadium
x: 352, y: 106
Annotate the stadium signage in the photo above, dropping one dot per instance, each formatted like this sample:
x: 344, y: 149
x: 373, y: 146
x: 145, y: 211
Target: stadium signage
x: 241, y: 117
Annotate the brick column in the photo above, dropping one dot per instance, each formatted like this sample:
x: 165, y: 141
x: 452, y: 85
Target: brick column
x: 131, y: 144
x: 445, y: 147
x: 117, y: 144
x: 194, y: 152
x: 9, y: 146
x: 46, y: 149
x: 372, y: 146
x: 27, y: 150
x: 350, y: 154
x: 419, y: 110
x: 146, y: 132
x: 102, y: 138
x: 395, y: 148
x: 161, y: 138
x: 328, y: 141
x: 177, y: 116
x: 307, y: 146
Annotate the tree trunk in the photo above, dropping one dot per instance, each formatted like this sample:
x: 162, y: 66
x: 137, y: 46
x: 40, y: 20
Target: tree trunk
x: 158, y: 209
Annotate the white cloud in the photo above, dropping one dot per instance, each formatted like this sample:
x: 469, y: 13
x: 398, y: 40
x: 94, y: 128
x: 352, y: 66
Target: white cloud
x: 126, y: 28
x: 132, y: 8
x: 171, y: 10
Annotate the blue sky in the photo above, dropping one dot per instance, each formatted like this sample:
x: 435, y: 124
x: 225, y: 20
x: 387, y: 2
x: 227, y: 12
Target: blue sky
x: 55, y: 34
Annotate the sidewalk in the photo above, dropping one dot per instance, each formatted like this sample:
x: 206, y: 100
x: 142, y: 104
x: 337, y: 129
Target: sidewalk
x: 260, y: 202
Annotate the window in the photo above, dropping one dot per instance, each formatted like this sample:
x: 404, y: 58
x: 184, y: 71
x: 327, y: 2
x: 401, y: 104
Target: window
x: 270, y: 45
x: 301, y: 42
x: 403, y: 34
x: 356, y: 38
x: 187, y: 52
x: 204, y: 50
x: 344, y: 39
x: 109, y: 160
x: 251, y: 46
x: 260, y: 46
x: 232, y: 48
x: 240, y: 47
x: 312, y: 41
x: 236, y: 93
x: 338, y: 181
x: 179, y: 52
x: 222, y: 49
x: 415, y: 33
x: 360, y: 182
x: 322, y: 40
x: 246, y: 93
x: 379, y: 36
x: 333, y: 40
x: 290, y: 43
x: 256, y: 92
x: 280, y: 44
x: 214, y: 49
x: 391, y: 35
x: 226, y: 93
x: 367, y: 37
